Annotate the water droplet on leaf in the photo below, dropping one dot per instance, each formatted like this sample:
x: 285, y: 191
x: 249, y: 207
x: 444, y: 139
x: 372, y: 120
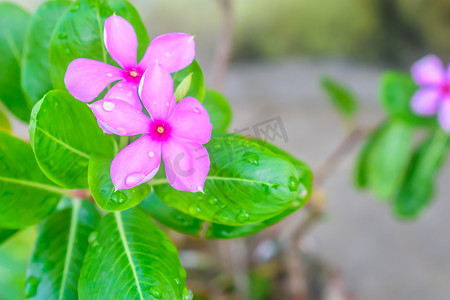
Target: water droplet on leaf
x: 63, y: 35
x: 93, y: 236
x: 251, y: 158
x: 242, y: 216
x: 293, y: 184
x: 155, y: 292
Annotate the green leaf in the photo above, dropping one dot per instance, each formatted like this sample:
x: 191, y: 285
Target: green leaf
x: 5, y: 234
x: 397, y: 90
x: 183, y: 88
x: 27, y: 196
x: 361, y: 169
x: 219, y: 110
x: 80, y: 34
x: 131, y: 258
x: 247, y: 183
x: 13, y: 24
x: 4, y: 122
x: 197, y: 84
x: 59, y: 252
x: 171, y: 217
x: 63, y: 134
x: 387, y: 164
x: 36, y: 80
x: 418, y: 188
x: 103, y: 190
x: 341, y: 97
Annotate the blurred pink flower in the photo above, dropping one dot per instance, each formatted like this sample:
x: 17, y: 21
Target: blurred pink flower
x: 175, y: 131
x: 85, y: 78
x: 433, y: 97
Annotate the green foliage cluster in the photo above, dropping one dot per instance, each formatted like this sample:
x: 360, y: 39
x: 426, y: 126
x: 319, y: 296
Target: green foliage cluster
x: 95, y: 242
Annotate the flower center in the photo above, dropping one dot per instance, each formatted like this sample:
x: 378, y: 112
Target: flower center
x: 160, y: 130
x: 133, y: 75
x: 445, y: 89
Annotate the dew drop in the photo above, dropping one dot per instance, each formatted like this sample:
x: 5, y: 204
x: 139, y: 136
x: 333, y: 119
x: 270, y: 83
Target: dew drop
x: 194, y: 210
x: 167, y: 103
x: 251, y: 158
x: 108, y: 106
x: 187, y: 294
x: 217, y: 147
x: 120, y: 85
x: 293, y: 184
x: 242, y: 216
x: 31, y: 286
x: 213, y: 201
x: 109, y: 74
x: 177, y: 281
x: 155, y: 292
x: 93, y: 236
x: 130, y: 94
x: 134, y: 179
x: 63, y: 35
x: 151, y: 154
x: 168, y: 54
x: 197, y: 110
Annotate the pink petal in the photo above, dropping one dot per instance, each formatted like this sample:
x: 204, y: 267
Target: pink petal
x: 126, y: 91
x: 136, y: 163
x: 86, y: 78
x: 121, y: 41
x: 174, y: 51
x: 156, y: 91
x: 186, y: 163
x: 119, y: 117
x: 428, y: 71
x: 190, y: 120
x: 425, y: 101
x: 444, y: 114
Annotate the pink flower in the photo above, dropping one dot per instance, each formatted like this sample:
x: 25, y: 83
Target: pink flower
x: 86, y: 78
x: 175, y: 131
x: 433, y: 97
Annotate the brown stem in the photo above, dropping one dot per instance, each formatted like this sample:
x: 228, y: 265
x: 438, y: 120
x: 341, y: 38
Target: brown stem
x: 224, y: 45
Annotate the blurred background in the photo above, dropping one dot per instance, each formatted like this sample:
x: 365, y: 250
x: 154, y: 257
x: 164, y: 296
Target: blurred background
x: 280, y: 51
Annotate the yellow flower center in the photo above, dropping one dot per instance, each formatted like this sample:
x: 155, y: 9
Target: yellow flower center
x: 160, y: 129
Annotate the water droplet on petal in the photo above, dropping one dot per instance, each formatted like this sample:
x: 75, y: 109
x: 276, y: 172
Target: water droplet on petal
x: 130, y: 94
x: 168, y: 54
x: 151, y: 154
x: 197, y: 110
x: 109, y: 74
x: 134, y: 179
x: 154, y: 102
x: 167, y: 103
x: 108, y: 105
x: 120, y: 85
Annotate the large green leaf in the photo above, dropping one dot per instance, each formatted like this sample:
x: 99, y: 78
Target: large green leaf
x: 388, y: 160
x: 13, y: 24
x: 36, y: 80
x: 4, y: 122
x: 219, y: 110
x: 103, y: 189
x: 418, y: 188
x: 26, y: 195
x: 129, y: 257
x: 64, y: 133
x: 184, y: 223
x: 341, y: 97
x: 247, y: 183
x: 197, y: 82
x: 396, y: 92
x: 59, y: 252
x: 80, y: 34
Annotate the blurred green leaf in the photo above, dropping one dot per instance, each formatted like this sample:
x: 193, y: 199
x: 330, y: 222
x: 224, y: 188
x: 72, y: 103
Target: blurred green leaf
x: 13, y: 24
x: 59, y: 252
x: 341, y: 97
x: 197, y: 85
x: 5, y: 234
x: 397, y: 90
x: 4, y: 122
x: 79, y: 34
x: 247, y: 183
x: 129, y: 257
x: 418, y: 188
x: 27, y: 196
x: 219, y: 110
x: 183, y: 88
x: 36, y: 80
x: 389, y: 157
x: 64, y: 133
x: 103, y: 190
